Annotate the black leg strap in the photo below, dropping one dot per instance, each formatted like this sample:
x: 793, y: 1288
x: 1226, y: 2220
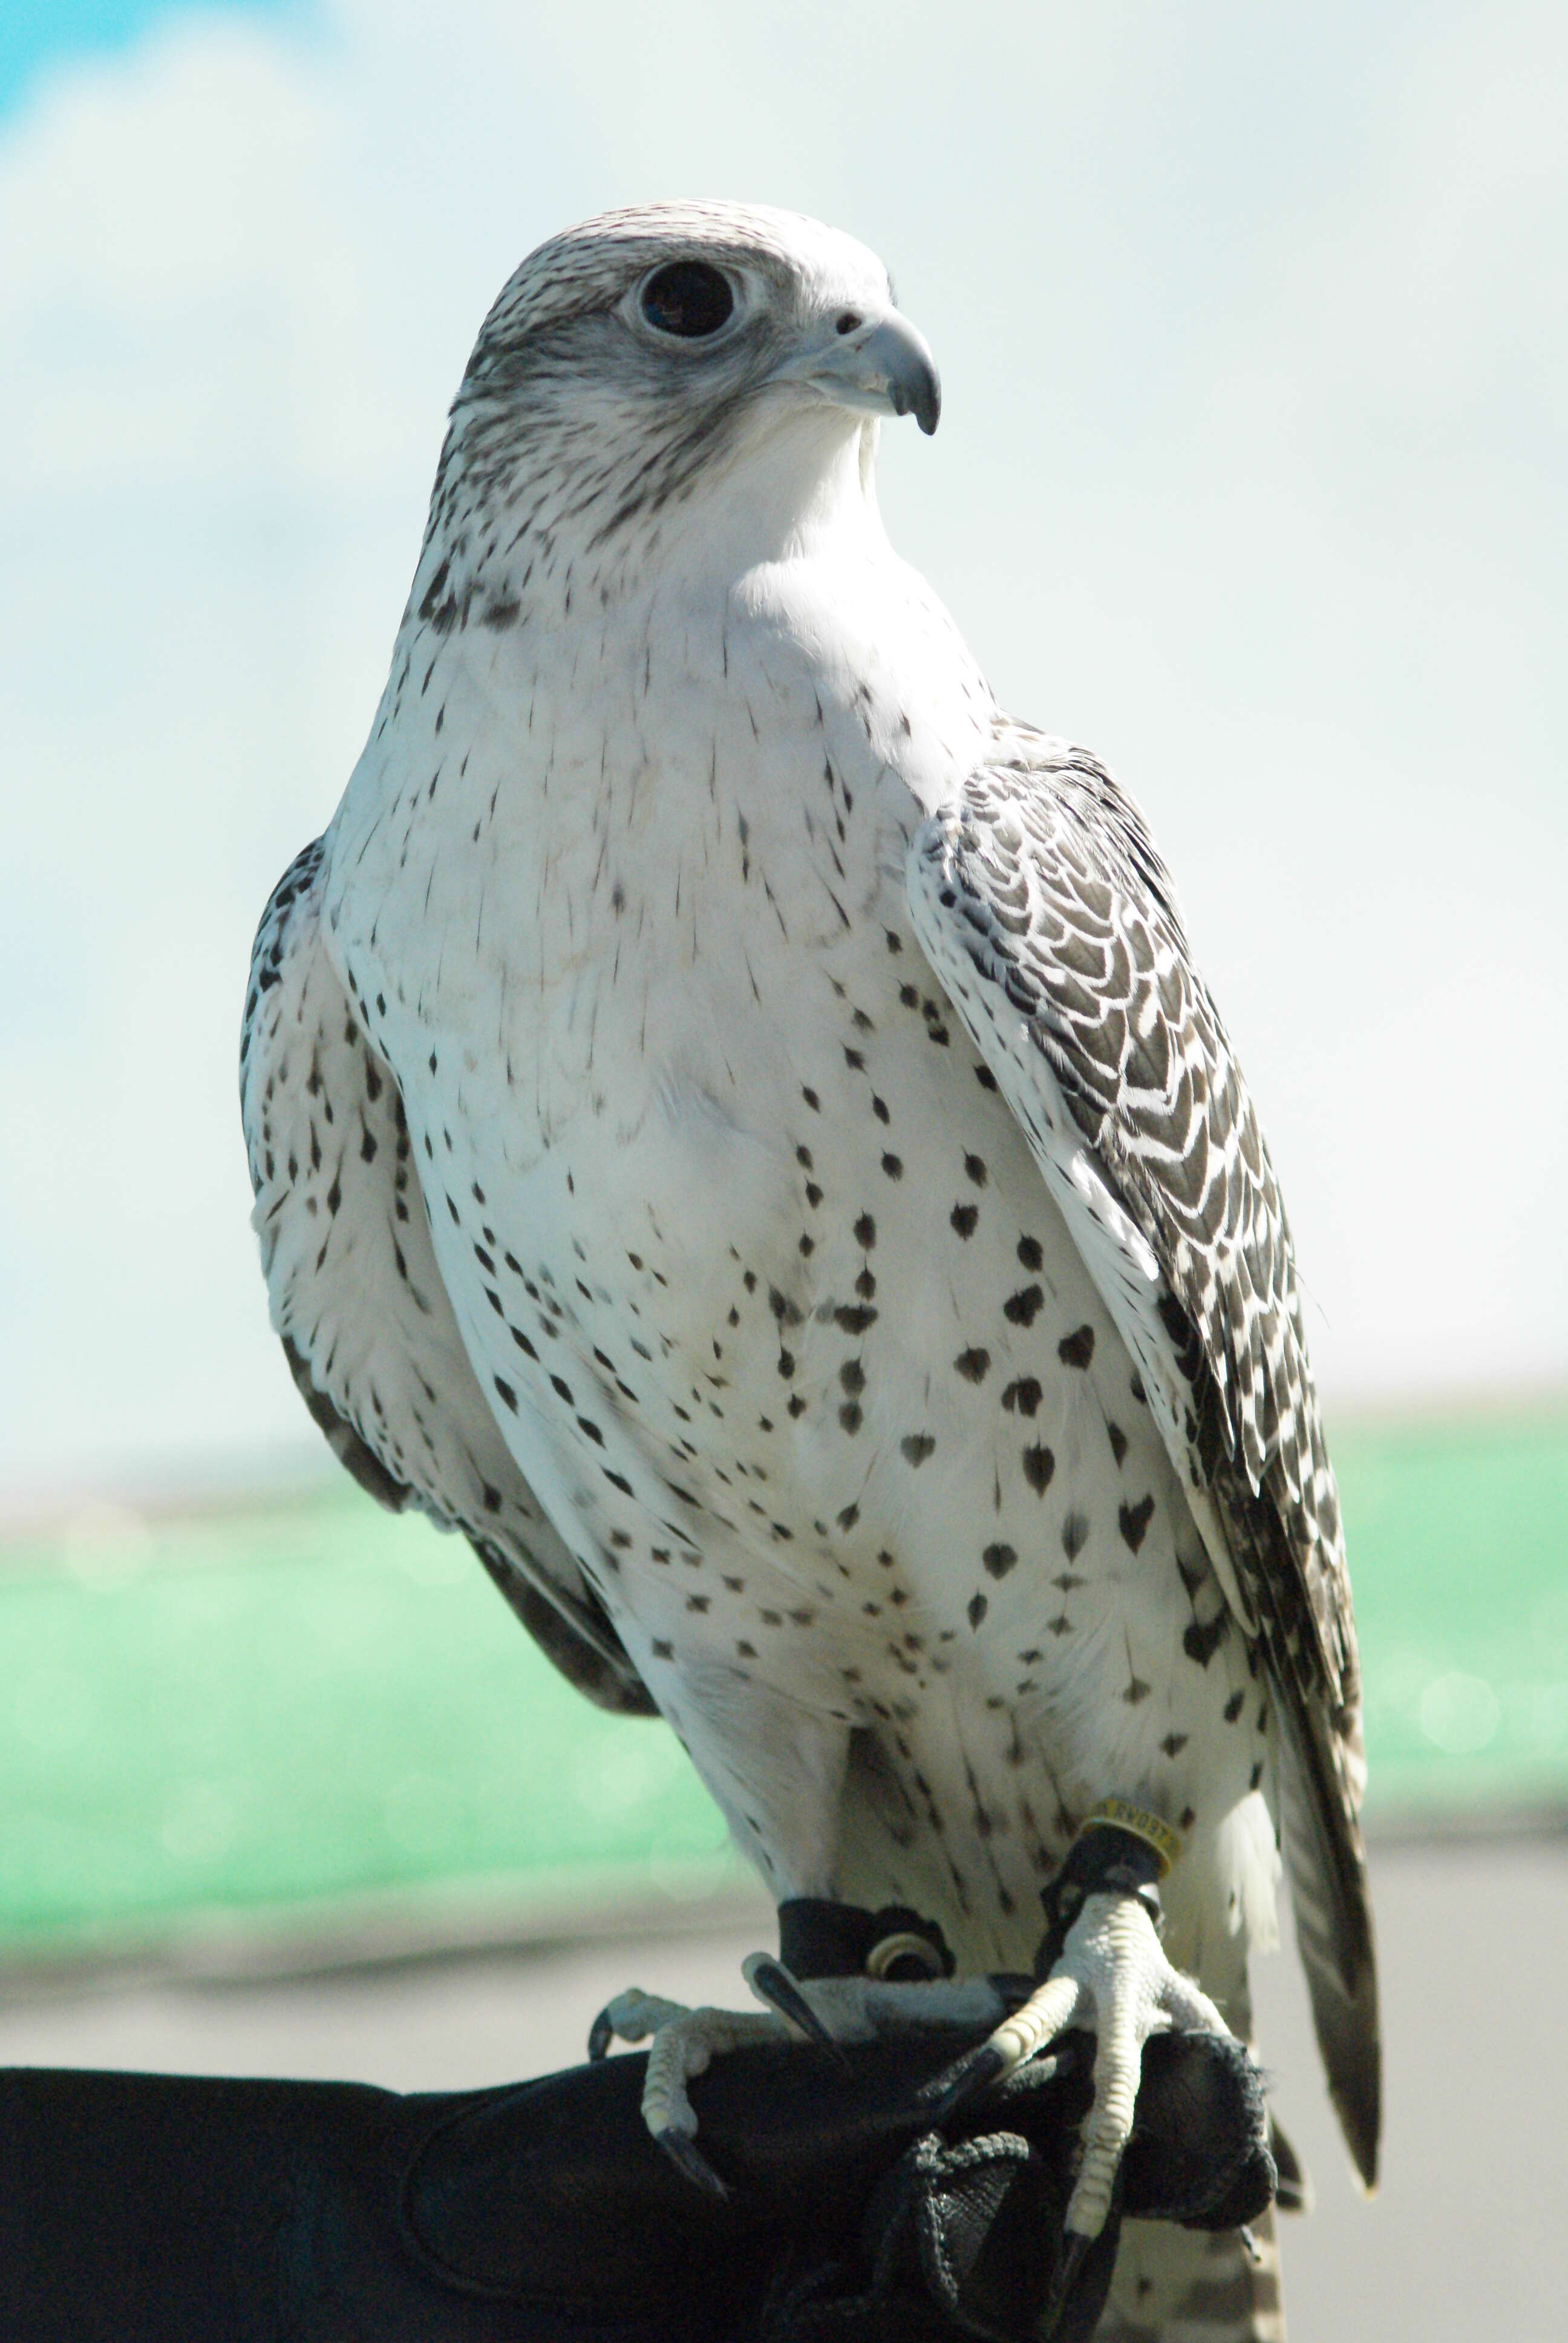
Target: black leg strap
x: 820, y: 1938
x: 1105, y: 1859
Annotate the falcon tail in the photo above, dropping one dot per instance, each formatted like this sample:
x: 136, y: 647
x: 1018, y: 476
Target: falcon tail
x: 1327, y: 1866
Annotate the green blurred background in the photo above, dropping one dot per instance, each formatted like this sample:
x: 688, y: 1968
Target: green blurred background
x: 308, y: 1714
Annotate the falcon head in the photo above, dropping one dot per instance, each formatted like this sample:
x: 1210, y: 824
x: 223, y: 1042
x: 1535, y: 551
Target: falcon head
x: 649, y: 352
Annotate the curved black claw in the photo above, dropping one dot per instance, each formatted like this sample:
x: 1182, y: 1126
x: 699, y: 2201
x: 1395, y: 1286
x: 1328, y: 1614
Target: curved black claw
x: 601, y: 2033
x: 772, y: 1982
x: 685, y: 2153
x: 1075, y: 2246
x: 964, y: 2081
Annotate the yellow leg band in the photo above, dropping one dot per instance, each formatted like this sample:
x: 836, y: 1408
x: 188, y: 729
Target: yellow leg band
x: 1158, y: 1835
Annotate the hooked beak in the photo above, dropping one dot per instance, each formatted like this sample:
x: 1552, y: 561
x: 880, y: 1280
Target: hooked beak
x: 874, y: 364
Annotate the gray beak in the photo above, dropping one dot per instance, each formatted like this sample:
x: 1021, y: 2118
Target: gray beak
x: 874, y: 366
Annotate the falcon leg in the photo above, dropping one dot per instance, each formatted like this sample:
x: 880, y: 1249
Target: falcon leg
x: 1111, y: 1976
x: 871, y: 2009
x: 848, y: 1974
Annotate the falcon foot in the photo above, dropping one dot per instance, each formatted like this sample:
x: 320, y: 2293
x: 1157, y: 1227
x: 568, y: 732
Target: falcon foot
x: 1108, y: 1973
x: 867, y: 1977
x: 684, y: 2043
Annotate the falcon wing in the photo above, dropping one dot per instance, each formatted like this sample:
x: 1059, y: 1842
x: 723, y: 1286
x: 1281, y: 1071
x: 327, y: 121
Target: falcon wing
x: 1051, y: 921
x: 367, y: 1325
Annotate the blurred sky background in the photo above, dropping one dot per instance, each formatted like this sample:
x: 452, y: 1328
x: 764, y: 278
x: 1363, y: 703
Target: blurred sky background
x: 1253, y: 324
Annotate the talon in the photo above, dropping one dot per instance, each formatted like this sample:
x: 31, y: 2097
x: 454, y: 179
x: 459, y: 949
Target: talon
x: 1074, y: 2249
x: 601, y: 2033
x: 684, y: 2152
x: 771, y: 1982
x: 966, y: 2080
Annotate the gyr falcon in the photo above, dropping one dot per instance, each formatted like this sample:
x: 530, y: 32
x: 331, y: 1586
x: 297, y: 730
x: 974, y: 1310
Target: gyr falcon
x: 737, y: 1130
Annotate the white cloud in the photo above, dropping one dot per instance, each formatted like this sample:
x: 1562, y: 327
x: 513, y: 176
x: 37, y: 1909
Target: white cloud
x: 175, y: 250
x: 1251, y: 473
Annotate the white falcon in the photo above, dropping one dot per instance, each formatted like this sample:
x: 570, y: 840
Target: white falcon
x: 737, y: 1130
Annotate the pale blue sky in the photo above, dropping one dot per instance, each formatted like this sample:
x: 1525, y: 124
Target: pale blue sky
x: 1252, y: 476
x: 36, y: 34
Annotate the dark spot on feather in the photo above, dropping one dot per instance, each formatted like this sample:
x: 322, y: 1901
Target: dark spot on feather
x: 1134, y: 1522
x: 1039, y: 1464
x: 1201, y: 1642
x: 854, y: 1321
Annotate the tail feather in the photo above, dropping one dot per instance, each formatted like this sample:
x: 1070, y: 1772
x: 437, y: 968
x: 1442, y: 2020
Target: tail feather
x: 1327, y: 1867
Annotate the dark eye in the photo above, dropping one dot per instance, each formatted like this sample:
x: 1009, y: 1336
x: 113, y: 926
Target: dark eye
x: 688, y: 298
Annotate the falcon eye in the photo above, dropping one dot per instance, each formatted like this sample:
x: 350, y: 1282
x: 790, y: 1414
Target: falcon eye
x: 688, y: 298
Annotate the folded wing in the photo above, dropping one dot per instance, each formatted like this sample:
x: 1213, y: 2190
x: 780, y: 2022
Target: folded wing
x: 1051, y: 921
x: 358, y: 1300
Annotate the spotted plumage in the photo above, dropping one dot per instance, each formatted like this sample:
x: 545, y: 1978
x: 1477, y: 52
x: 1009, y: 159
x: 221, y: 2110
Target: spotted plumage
x: 738, y: 1131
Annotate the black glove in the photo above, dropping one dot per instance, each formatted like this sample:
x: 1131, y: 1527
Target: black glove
x: 160, y: 2209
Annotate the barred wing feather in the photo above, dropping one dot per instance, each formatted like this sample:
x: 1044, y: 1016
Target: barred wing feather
x: 1047, y: 913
